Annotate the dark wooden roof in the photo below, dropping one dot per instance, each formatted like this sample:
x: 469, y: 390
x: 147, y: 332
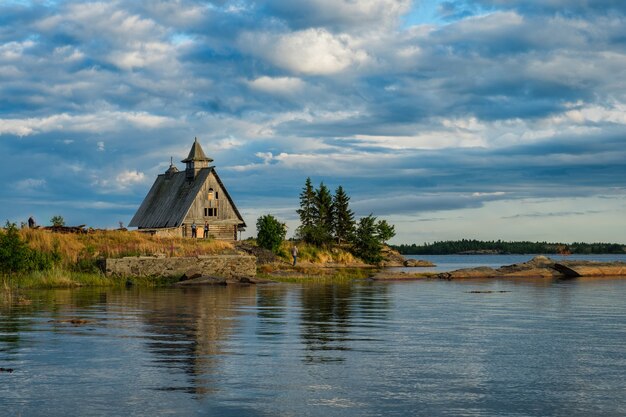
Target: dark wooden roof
x: 170, y: 199
x: 196, y: 153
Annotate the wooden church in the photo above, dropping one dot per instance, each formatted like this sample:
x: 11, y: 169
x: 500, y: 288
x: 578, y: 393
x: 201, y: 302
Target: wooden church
x: 197, y: 195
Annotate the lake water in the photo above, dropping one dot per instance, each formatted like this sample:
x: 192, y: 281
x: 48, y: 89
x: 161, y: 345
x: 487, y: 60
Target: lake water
x: 423, y: 348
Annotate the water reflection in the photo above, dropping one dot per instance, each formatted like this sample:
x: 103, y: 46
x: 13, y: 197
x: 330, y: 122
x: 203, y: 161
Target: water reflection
x: 368, y: 349
x: 328, y: 314
x: 186, y: 330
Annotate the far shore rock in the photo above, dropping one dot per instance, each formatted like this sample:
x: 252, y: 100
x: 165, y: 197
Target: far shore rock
x: 393, y: 258
x: 542, y: 267
x: 417, y: 263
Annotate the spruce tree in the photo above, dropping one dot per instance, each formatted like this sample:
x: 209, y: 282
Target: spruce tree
x: 367, y: 244
x: 323, y: 216
x: 307, y: 211
x: 343, y: 217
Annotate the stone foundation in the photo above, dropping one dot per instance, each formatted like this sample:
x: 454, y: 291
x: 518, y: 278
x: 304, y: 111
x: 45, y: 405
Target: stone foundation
x: 227, y: 266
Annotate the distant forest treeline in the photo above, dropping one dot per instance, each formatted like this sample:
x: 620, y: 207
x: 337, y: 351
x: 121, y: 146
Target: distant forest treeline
x: 476, y: 246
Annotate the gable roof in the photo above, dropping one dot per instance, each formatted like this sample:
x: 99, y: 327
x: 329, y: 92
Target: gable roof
x: 170, y: 199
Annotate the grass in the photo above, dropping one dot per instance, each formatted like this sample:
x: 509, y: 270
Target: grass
x: 318, y: 255
x: 60, y: 278
x: 116, y: 244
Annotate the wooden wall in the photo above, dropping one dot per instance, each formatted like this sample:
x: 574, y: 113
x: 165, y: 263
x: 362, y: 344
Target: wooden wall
x: 224, y: 225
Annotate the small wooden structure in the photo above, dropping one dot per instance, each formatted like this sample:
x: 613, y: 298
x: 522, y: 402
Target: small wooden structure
x: 197, y: 195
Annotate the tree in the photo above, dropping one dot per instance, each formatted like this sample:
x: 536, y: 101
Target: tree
x: 270, y: 232
x: 367, y: 244
x: 323, y: 216
x: 307, y: 211
x: 385, y: 230
x: 14, y: 253
x: 57, y: 221
x: 343, y: 217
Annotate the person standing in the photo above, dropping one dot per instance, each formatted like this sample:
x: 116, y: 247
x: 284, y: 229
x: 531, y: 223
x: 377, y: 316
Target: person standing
x: 31, y: 222
x: 206, y: 230
x: 294, y: 253
x: 194, y: 230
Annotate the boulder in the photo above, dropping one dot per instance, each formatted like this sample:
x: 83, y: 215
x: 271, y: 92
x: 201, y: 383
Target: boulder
x: 417, y: 263
x: 202, y: 280
x: 391, y: 258
x: 591, y: 268
x: 480, y: 272
x: 211, y: 280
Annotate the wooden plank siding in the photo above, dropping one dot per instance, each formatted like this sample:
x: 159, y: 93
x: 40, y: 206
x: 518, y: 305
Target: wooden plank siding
x: 175, y: 201
x: 226, y: 214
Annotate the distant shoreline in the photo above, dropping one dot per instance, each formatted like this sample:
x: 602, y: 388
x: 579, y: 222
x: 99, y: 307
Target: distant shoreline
x: 478, y: 247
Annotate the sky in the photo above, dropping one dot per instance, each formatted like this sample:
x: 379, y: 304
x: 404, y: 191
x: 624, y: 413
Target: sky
x: 486, y: 119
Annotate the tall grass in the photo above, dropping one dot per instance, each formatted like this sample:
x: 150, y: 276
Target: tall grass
x: 319, y: 255
x: 117, y: 244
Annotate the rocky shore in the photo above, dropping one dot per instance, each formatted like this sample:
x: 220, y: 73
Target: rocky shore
x: 542, y: 267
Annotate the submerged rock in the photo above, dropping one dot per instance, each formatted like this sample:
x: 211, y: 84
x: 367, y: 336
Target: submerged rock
x: 212, y: 280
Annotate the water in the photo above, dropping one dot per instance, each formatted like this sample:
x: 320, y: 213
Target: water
x: 452, y: 262
x: 423, y: 348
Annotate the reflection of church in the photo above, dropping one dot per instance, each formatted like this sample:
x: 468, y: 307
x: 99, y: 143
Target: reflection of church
x: 188, y: 329
x: 197, y: 195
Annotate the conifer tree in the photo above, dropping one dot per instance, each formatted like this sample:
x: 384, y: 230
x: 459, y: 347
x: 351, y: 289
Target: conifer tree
x: 343, y: 217
x: 367, y: 244
x: 323, y: 216
x: 307, y: 211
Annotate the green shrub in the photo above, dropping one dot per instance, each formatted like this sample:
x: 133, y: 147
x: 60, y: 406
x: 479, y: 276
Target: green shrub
x: 16, y: 256
x: 270, y: 232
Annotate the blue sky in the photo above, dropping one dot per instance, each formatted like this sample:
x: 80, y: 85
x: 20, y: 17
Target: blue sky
x: 480, y: 119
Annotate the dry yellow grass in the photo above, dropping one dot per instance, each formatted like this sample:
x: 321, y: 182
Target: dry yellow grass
x: 114, y: 243
x: 316, y: 255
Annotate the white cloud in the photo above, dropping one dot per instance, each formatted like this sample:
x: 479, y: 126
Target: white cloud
x: 13, y: 51
x: 311, y: 51
x: 105, y: 121
x: 128, y: 178
x: 278, y: 85
x: 29, y: 183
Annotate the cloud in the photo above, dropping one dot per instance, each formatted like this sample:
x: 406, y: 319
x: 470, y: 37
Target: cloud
x: 98, y: 122
x: 312, y: 51
x: 128, y: 178
x: 277, y: 85
x: 470, y: 111
x: 29, y: 183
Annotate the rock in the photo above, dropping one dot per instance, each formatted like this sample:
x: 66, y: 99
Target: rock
x: 417, y: 263
x: 480, y: 272
x: 391, y: 258
x: 543, y: 267
x: 211, y: 280
x: 191, y: 274
x: 538, y: 267
x: 202, y: 280
x: 572, y: 269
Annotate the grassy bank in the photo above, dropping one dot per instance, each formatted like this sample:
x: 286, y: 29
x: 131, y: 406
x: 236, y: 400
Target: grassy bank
x: 59, y: 278
x: 76, y: 248
x: 45, y: 259
x: 311, y: 254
